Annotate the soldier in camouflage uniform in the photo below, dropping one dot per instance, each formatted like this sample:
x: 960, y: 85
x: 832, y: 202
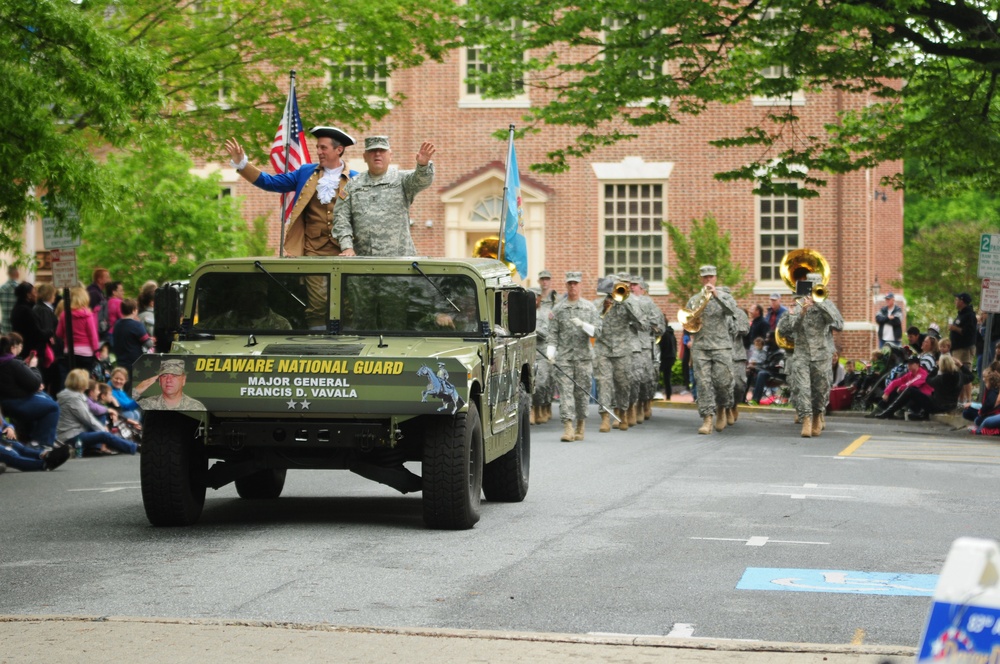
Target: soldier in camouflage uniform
x: 602, y: 343
x: 740, y: 328
x: 542, y: 394
x: 573, y: 322
x: 617, y: 343
x: 172, y: 378
x: 648, y: 360
x: 374, y: 218
x: 712, y: 352
x: 811, y: 324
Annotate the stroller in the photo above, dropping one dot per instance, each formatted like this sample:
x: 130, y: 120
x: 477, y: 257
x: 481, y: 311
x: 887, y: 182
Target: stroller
x: 889, y: 365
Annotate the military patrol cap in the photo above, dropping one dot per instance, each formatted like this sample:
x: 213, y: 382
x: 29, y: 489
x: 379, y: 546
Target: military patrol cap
x: 377, y: 143
x: 635, y: 279
x: 334, y: 133
x: 544, y: 274
x: 174, y: 367
x: 707, y: 270
x: 574, y: 276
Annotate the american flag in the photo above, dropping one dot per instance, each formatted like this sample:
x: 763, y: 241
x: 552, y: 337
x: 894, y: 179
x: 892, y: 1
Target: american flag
x: 298, y: 150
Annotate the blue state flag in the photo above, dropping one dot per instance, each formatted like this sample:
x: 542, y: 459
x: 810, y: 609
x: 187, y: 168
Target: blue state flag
x: 515, y: 244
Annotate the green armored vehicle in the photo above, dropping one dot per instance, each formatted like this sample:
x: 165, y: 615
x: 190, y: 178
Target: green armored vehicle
x: 360, y: 364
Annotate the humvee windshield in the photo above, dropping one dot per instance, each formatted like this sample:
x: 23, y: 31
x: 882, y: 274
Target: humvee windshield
x: 400, y: 304
x: 255, y: 303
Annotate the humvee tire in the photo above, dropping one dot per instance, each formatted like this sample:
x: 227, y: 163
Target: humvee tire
x: 262, y: 485
x: 506, y: 479
x: 172, y: 467
x: 453, y: 471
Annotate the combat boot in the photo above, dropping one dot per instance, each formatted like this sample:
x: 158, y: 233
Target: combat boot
x: 568, y: 433
x: 639, y: 414
x: 817, y: 427
x: 807, y: 427
x: 605, y: 423
x: 579, y: 431
x: 648, y: 410
x: 533, y: 415
x: 736, y: 413
x: 797, y: 418
x: 706, y: 426
x: 622, y: 414
x: 822, y: 421
x: 631, y: 415
x: 720, y: 419
x: 548, y: 412
x: 730, y: 416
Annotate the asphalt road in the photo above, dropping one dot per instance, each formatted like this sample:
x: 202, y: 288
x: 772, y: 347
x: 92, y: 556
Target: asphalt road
x: 648, y: 532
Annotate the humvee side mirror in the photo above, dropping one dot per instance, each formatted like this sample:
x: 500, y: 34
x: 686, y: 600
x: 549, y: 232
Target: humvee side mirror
x: 521, y: 311
x: 167, y: 304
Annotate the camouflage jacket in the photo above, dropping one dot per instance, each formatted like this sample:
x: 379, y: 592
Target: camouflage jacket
x: 715, y: 331
x: 812, y: 331
x: 740, y: 328
x: 621, y: 328
x: 571, y: 342
x: 374, y: 218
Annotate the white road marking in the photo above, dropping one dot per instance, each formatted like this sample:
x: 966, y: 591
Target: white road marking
x: 800, y: 496
x: 681, y: 630
x: 109, y: 489
x: 757, y: 540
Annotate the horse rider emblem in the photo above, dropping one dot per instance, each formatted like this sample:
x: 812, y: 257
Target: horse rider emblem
x: 439, y: 387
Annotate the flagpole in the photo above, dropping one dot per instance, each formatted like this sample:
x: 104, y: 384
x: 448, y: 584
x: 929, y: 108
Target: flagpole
x: 502, y: 243
x: 286, y: 122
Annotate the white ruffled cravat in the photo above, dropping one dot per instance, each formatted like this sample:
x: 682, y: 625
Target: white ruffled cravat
x: 327, y: 186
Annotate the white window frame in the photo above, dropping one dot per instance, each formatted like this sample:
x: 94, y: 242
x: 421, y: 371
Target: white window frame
x: 384, y: 99
x: 797, y: 98
x: 611, y: 25
x: 774, y: 284
x: 634, y: 171
x: 468, y: 99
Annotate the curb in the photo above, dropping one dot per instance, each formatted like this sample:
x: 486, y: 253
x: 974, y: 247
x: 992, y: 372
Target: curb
x: 717, y: 645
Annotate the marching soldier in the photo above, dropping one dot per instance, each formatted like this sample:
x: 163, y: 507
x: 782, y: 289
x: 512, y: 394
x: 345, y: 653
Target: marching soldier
x: 811, y: 324
x: 573, y: 322
x: 616, y: 345
x: 648, y: 362
x: 541, y: 399
x: 712, y: 352
x: 741, y: 327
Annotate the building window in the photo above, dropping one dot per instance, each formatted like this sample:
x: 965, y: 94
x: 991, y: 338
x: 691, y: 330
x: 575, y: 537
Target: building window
x: 487, y: 211
x: 780, y: 232
x: 777, y: 71
x: 475, y: 62
x: 633, y: 229
x: 375, y: 77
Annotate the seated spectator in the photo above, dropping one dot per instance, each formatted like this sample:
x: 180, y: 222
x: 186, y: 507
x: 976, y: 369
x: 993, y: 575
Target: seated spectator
x: 837, y: 370
x: 26, y: 458
x: 76, y: 422
x: 947, y: 384
x: 914, y: 340
x: 944, y: 346
x: 978, y: 412
x: 37, y: 414
x: 910, y: 389
x: 929, y: 354
x: 771, y: 368
x: 99, y: 410
x: 130, y: 408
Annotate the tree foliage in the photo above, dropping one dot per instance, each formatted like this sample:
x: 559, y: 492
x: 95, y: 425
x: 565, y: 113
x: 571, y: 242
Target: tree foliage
x: 941, y: 261
x: 67, y: 86
x: 171, y: 221
x: 928, y: 71
x: 705, y: 245
x: 80, y: 78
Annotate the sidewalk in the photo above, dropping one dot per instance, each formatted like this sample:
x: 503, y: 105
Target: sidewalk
x: 80, y: 640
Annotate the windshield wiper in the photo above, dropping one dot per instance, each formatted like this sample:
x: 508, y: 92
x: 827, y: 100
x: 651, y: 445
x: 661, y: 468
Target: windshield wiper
x: 431, y: 282
x: 292, y: 295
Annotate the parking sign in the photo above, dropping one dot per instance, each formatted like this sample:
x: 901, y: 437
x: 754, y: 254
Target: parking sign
x: 989, y: 256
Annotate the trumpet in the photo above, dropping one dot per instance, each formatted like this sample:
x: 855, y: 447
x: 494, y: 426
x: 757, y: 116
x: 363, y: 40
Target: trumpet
x: 690, y: 319
x: 621, y: 291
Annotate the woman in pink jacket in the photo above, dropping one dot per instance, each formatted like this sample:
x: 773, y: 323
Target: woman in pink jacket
x: 912, y: 390
x: 85, y: 340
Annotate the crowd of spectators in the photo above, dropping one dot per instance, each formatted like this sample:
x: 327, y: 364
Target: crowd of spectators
x: 65, y: 377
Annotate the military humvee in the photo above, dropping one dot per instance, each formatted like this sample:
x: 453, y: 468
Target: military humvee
x: 361, y: 364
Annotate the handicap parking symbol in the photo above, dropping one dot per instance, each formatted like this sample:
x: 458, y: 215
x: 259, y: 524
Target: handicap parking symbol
x: 837, y: 581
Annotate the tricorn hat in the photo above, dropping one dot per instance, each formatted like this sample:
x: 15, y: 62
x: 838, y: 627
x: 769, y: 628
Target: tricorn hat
x: 334, y: 133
